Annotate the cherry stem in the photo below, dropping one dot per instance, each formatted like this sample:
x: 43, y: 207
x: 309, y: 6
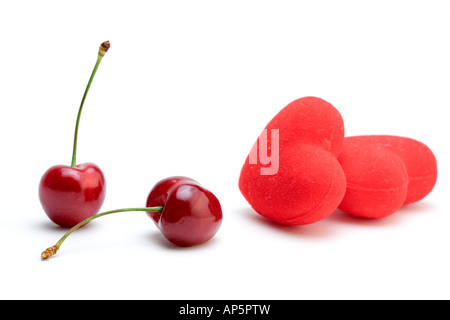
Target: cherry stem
x: 101, y: 52
x: 52, y: 250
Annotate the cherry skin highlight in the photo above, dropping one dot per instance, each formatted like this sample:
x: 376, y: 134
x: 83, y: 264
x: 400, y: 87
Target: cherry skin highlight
x: 71, y: 194
x: 191, y: 214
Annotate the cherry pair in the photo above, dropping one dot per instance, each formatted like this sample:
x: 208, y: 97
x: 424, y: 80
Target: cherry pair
x: 186, y: 213
x: 320, y: 170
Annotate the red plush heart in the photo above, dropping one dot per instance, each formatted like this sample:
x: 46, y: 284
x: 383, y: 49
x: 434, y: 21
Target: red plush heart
x: 385, y: 173
x: 307, y: 183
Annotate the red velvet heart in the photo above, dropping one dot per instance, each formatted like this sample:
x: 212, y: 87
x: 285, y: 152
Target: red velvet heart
x: 309, y: 183
x: 385, y: 173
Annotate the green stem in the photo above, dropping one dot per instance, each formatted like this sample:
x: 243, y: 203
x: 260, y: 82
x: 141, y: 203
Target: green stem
x: 52, y: 250
x: 103, y: 49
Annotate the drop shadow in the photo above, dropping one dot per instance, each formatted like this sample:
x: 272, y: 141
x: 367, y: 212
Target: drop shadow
x: 396, y: 218
x: 419, y: 207
x: 158, y: 237
x: 320, y: 229
x: 52, y: 227
x: 342, y: 217
x: 330, y: 226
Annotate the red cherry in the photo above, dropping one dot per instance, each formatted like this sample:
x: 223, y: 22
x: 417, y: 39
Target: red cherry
x: 191, y: 215
x: 185, y: 212
x: 159, y: 193
x: 69, y: 195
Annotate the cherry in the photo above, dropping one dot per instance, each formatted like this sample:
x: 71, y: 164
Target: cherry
x: 70, y: 194
x: 191, y: 214
x: 160, y: 192
x: 187, y: 214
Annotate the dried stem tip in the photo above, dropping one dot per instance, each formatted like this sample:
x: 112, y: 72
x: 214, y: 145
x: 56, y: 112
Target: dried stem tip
x: 104, y: 48
x: 49, y: 252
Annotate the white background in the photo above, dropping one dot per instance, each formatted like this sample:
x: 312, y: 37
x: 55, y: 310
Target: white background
x: 185, y: 89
